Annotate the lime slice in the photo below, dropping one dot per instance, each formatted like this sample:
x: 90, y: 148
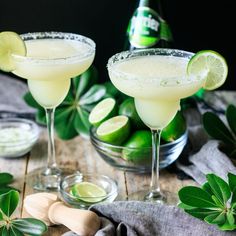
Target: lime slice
x: 88, y: 192
x: 211, y: 65
x: 114, y: 130
x: 102, y: 111
x: 10, y: 43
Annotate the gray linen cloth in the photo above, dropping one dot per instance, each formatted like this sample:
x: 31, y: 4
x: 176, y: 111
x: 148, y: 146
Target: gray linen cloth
x: 134, y: 218
x: 11, y: 94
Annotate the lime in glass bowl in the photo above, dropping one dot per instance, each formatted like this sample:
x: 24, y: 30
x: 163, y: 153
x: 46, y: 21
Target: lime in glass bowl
x: 137, y: 159
x: 84, y: 190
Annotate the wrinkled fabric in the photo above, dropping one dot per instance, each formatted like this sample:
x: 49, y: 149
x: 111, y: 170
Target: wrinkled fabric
x: 132, y: 218
x: 11, y: 98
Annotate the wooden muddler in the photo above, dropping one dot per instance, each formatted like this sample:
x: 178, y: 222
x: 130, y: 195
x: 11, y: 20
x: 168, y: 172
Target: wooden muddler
x: 47, y: 207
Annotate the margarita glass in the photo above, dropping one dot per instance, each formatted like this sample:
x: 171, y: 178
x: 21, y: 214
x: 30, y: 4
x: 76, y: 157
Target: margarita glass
x: 157, y: 79
x: 52, y: 59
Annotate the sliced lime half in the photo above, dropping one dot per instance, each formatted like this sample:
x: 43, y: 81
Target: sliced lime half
x: 102, y: 111
x: 211, y: 65
x: 114, y: 130
x: 10, y: 43
x: 88, y: 192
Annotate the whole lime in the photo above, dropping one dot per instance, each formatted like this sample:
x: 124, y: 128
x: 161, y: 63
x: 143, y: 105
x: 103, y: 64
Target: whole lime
x: 127, y: 108
x: 137, y: 148
x: 175, y: 129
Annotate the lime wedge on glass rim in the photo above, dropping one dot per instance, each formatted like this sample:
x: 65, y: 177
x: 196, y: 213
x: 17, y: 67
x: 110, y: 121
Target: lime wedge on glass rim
x: 88, y: 192
x: 10, y: 43
x: 114, y: 130
x: 102, y: 111
x: 210, y: 64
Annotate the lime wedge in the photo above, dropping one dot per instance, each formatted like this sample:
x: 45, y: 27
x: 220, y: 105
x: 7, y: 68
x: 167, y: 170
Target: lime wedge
x: 210, y: 64
x: 114, y: 130
x: 88, y: 192
x: 102, y: 111
x: 10, y: 43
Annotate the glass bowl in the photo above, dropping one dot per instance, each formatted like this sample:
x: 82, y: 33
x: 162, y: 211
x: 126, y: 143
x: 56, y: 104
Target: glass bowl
x: 102, y: 181
x: 137, y: 159
x: 17, y: 137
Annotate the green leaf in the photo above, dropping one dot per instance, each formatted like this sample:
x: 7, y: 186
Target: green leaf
x: 229, y: 224
x: 9, y: 202
x: 4, y: 231
x: 231, y: 117
x: 217, y: 129
x: 185, y: 207
x: 219, y: 187
x: 206, y: 186
x: 200, y: 213
x: 5, y: 178
x: 232, y: 185
x: 65, y: 125
x: 217, y: 218
x: 5, y: 189
x: 29, y: 99
x: 14, y: 232
x: 30, y: 226
x: 85, y: 81
x: 232, y: 181
x: 81, y: 123
x: 94, y: 94
x: 111, y: 90
x: 196, y: 197
x: 41, y: 117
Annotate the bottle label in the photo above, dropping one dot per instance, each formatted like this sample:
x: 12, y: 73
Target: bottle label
x: 145, y: 28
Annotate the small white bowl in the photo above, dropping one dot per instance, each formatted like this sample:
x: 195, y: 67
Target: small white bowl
x: 17, y: 137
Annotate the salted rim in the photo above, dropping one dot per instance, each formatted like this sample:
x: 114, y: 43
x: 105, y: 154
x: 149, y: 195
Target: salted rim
x: 127, y: 55
x: 56, y: 35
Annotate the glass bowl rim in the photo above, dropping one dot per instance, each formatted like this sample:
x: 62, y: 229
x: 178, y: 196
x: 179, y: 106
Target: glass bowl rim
x: 100, y: 143
x: 114, y: 183
x: 33, y: 127
x: 63, y: 35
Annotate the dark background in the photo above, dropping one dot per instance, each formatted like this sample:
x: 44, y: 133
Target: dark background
x: 196, y: 24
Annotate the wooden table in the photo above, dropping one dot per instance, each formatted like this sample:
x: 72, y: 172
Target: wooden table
x: 79, y: 153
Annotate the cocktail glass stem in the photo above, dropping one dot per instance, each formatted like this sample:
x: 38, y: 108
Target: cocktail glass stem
x: 52, y: 171
x: 154, y: 194
x: 51, y: 162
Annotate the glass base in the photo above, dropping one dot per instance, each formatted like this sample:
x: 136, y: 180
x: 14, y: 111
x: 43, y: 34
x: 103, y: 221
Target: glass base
x: 163, y: 197
x: 47, y: 179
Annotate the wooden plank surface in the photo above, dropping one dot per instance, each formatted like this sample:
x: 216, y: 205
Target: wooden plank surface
x: 78, y: 153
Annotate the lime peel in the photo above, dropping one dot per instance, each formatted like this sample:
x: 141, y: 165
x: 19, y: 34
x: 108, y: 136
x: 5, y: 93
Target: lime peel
x: 209, y: 65
x: 10, y: 43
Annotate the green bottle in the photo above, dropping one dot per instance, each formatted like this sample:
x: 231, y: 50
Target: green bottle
x: 147, y: 28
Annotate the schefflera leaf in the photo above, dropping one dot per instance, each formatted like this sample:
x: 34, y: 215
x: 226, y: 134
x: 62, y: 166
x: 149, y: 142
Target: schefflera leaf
x: 9, y: 202
x: 196, y: 197
x: 216, y: 128
x: 219, y: 187
x: 29, y: 226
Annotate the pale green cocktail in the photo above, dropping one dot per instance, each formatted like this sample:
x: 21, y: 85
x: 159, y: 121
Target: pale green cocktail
x: 157, y: 79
